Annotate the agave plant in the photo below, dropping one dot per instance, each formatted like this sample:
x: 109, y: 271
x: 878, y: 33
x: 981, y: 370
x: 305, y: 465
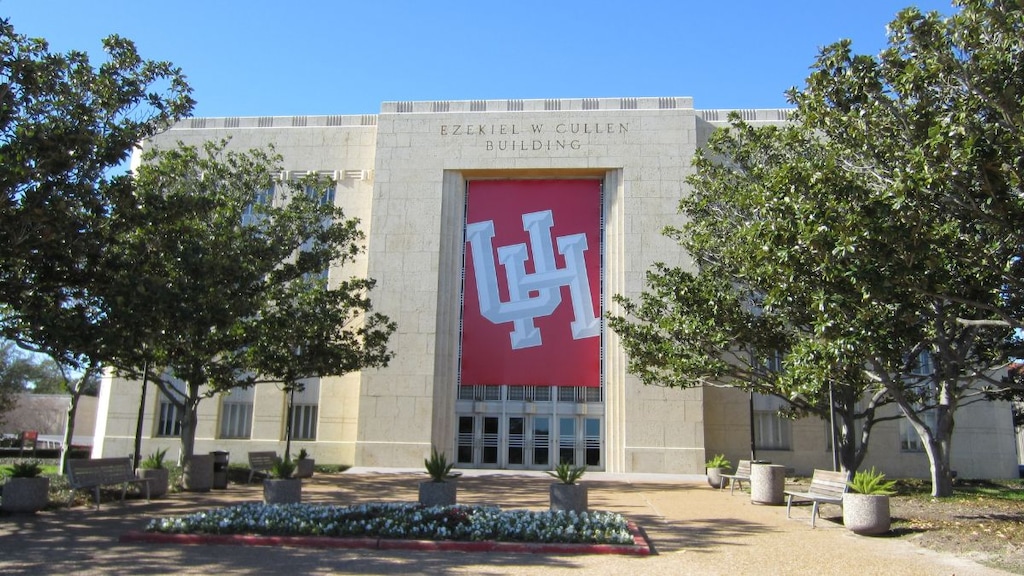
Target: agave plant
x: 154, y: 461
x: 567, y: 473
x: 438, y: 466
x: 871, y: 482
x: 26, y: 469
x: 282, y: 469
x: 718, y: 461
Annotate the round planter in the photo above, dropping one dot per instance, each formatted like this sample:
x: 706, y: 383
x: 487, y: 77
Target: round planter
x: 866, y: 514
x: 767, y: 484
x: 282, y: 490
x: 438, y: 493
x: 715, y: 478
x: 158, y: 480
x: 197, y: 475
x: 25, y: 495
x: 569, y: 497
x: 304, y: 468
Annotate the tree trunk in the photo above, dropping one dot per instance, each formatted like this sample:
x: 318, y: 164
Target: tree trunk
x: 189, y: 417
x: 69, y: 428
x: 69, y: 425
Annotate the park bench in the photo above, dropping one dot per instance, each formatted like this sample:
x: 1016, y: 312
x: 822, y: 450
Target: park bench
x: 826, y: 486
x: 741, y: 474
x: 92, y: 474
x: 261, y: 463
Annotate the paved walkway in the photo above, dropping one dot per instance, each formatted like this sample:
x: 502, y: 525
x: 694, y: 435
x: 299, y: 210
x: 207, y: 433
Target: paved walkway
x: 694, y: 530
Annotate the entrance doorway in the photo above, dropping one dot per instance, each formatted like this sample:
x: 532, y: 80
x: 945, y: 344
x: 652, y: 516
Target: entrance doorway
x: 529, y: 427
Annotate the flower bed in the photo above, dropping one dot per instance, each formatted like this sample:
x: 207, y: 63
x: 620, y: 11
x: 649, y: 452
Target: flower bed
x: 403, y: 521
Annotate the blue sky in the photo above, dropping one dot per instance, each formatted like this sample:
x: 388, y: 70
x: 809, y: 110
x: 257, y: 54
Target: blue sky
x: 304, y: 57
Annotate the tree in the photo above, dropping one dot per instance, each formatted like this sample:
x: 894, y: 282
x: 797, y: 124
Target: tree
x: 934, y: 125
x: 222, y: 260
x: 64, y: 127
x: 310, y: 330
x: 726, y: 323
x: 881, y: 222
x: 937, y: 119
x: 16, y: 371
x: 34, y: 374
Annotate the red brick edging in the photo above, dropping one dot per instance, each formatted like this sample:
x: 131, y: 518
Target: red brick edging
x: 640, y: 547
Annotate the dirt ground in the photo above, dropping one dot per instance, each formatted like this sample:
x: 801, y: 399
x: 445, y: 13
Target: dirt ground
x: 987, y: 530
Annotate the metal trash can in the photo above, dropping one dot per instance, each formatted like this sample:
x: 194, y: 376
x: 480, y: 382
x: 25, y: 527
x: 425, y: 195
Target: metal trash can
x: 220, y: 469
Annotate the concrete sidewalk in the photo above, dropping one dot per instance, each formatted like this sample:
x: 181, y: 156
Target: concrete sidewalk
x: 693, y: 529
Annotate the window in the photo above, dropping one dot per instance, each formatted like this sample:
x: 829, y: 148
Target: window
x: 168, y: 414
x: 771, y: 431
x: 305, y: 410
x: 910, y: 441
x: 236, y: 413
x: 924, y: 365
x: 263, y: 198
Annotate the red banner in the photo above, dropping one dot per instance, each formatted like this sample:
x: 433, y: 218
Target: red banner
x: 531, y: 295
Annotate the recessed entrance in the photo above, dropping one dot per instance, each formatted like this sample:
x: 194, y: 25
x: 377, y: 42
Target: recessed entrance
x: 529, y: 427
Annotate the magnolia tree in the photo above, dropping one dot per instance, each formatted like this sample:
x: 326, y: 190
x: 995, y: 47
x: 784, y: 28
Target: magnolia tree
x: 66, y: 125
x: 878, y: 229
x: 226, y: 265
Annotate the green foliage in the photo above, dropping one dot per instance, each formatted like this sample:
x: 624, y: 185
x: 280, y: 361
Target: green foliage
x: 282, y: 468
x: 66, y: 127
x: 880, y: 223
x: 225, y: 265
x: 718, y: 461
x: 438, y: 466
x: 25, y: 469
x: 154, y: 461
x: 567, y: 473
x: 871, y: 482
x: 302, y: 455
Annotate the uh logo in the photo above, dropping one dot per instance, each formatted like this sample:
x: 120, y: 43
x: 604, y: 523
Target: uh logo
x: 538, y: 293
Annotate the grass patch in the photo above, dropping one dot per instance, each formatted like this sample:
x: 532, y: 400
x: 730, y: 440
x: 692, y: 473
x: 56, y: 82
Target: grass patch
x: 1005, y: 490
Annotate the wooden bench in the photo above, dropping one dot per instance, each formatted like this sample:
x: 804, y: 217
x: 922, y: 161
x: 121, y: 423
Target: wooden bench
x: 95, y: 473
x: 826, y: 486
x: 741, y: 474
x: 261, y: 463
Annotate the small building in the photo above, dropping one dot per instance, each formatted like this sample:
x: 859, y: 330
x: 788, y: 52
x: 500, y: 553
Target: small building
x: 498, y: 232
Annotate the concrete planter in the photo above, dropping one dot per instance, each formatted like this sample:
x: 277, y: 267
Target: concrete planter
x: 767, y: 484
x: 569, y: 497
x: 159, y: 479
x: 304, y: 468
x: 25, y: 495
x: 438, y: 493
x: 866, y: 514
x: 197, y: 475
x: 715, y: 479
x: 282, y: 491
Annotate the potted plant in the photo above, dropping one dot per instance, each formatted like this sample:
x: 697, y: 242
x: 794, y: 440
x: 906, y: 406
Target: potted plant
x: 866, y: 508
x: 153, y: 469
x: 717, y: 466
x: 26, y: 490
x: 282, y: 487
x: 304, y: 465
x: 440, y: 490
x: 566, y: 494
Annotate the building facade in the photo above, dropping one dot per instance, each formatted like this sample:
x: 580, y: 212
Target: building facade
x: 498, y: 232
